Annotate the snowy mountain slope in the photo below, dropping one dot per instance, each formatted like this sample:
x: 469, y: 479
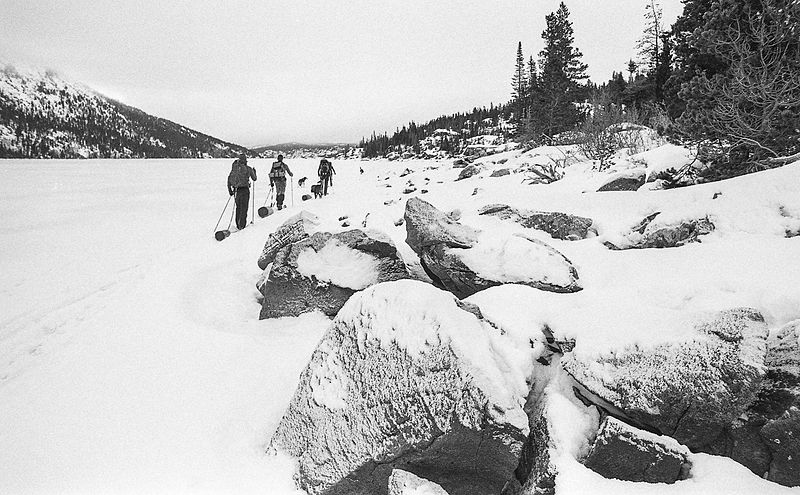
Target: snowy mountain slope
x: 45, y: 116
x: 131, y: 354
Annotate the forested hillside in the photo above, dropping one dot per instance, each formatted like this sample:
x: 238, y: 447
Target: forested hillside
x: 44, y: 116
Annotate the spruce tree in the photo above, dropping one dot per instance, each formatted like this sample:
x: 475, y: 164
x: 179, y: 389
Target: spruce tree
x: 561, y: 74
x: 519, y: 84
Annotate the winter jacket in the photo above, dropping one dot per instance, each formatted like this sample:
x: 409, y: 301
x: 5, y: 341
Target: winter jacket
x: 240, y: 175
x: 279, y: 171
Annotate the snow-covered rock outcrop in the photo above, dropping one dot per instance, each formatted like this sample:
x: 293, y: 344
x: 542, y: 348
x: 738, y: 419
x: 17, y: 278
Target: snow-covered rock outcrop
x: 405, y: 378
x: 692, y: 390
x: 321, y: 271
x: 623, y: 452
x: 559, y: 225
x: 464, y: 260
x: 657, y: 231
x: 296, y: 228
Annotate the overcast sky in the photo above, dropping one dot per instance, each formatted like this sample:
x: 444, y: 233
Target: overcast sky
x: 319, y: 71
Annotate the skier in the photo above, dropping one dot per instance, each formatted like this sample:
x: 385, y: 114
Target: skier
x: 239, y: 185
x: 277, y: 178
x: 325, y: 173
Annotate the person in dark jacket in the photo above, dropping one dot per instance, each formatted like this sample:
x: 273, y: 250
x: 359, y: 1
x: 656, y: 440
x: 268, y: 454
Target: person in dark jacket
x: 277, y: 179
x: 325, y: 172
x: 239, y: 187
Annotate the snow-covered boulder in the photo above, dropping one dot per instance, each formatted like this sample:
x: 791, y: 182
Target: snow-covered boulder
x: 655, y: 231
x: 629, y: 180
x: 322, y: 271
x: 767, y: 437
x: 426, y: 226
x: 500, y: 172
x: 464, y: 260
x: 692, y: 390
x: 558, y: 225
x: 469, y: 171
x: 459, y: 163
x: 292, y: 230
x: 623, y: 452
x: 405, y: 483
x: 405, y: 378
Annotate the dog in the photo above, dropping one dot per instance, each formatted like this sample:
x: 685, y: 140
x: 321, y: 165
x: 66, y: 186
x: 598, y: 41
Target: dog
x: 302, y: 182
x: 317, y: 190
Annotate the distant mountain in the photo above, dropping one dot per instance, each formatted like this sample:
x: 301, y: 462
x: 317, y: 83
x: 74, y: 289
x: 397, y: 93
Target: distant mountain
x: 44, y: 116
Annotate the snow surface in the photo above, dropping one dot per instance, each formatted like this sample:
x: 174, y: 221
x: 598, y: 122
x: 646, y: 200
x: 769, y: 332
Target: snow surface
x: 515, y: 259
x: 339, y: 265
x: 132, y: 359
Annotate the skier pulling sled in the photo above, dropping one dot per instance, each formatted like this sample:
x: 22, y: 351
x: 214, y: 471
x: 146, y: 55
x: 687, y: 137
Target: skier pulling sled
x: 277, y: 178
x: 239, y: 189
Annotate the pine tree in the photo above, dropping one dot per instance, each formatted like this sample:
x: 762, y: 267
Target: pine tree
x: 561, y: 76
x: 649, y: 45
x: 519, y: 85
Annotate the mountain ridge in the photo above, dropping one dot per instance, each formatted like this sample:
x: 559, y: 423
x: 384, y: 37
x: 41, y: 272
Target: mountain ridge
x: 43, y: 115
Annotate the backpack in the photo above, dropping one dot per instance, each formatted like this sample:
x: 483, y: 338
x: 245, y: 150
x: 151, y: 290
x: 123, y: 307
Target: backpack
x: 324, y: 168
x: 277, y: 171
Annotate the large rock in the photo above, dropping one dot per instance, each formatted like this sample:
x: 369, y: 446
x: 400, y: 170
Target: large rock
x: 464, y: 260
x: 559, y: 225
x: 500, y: 172
x: 691, y: 390
x: 292, y: 230
x: 623, y: 452
x: 652, y: 233
x: 405, y: 483
x: 626, y: 181
x: 469, y: 171
x: 404, y: 379
x: 322, y: 271
x: 767, y: 437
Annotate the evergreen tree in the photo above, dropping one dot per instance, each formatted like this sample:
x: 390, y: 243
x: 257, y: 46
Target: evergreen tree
x: 519, y: 85
x: 560, y: 79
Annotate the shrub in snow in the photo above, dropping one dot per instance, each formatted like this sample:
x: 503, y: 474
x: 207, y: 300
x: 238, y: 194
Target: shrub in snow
x: 405, y: 378
x: 464, y: 260
x: 405, y: 483
x: 292, y: 230
x: 559, y: 225
x: 652, y: 233
x: 322, y: 271
x: 623, y: 452
x: 693, y: 391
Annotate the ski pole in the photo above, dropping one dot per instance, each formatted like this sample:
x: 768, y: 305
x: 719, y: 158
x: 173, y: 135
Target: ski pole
x: 223, y: 213
x: 233, y: 210
x: 291, y: 184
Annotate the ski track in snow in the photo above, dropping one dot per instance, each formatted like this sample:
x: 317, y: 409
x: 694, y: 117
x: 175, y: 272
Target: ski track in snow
x: 132, y: 359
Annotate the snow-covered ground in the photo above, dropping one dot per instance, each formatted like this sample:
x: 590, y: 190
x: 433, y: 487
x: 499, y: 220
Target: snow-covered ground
x: 132, y: 359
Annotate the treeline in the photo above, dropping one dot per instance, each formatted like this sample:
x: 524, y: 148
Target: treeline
x: 51, y: 119
x: 724, y: 78
x: 413, y: 139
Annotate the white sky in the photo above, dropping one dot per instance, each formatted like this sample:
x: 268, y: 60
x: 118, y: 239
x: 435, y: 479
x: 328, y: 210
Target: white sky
x: 318, y: 71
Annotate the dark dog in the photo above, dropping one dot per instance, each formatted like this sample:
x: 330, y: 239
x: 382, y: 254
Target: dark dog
x: 317, y: 190
x: 302, y: 182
